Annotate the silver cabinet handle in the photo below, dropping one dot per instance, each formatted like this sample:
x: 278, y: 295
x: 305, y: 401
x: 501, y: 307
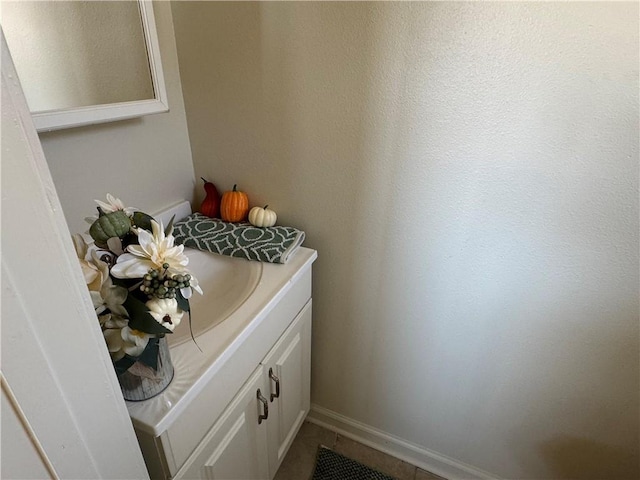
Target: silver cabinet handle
x: 265, y: 407
x: 277, y: 380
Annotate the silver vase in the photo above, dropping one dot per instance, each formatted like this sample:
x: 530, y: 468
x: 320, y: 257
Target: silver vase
x: 141, y: 382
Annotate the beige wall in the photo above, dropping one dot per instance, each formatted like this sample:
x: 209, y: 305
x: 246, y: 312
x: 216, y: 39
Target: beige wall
x: 144, y: 161
x: 468, y: 173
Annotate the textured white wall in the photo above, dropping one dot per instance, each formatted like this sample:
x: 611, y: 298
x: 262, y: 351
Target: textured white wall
x: 90, y: 53
x: 469, y: 175
x: 145, y: 161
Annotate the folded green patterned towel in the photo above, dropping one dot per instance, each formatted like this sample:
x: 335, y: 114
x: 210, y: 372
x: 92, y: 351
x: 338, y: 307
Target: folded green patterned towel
x: 270, y: 244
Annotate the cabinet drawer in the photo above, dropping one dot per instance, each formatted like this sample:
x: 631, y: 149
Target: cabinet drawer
x: 193, y: 424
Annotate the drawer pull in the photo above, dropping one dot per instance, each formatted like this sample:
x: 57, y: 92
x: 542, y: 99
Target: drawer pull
x: 277, y: 380
x: 265, y: 407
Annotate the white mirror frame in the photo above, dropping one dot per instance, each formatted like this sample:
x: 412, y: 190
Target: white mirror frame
x: 75, y: 117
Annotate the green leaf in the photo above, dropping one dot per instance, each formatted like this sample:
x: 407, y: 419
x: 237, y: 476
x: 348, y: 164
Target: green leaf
x: 140, y: 318
x: 183, y: 303
x: 123, y: 364
x: 125, y: 282
x: 150, y: 354
x: 149, y: 357
x: 129, y: 239
x: 169, y: 228
x: 142, y: 220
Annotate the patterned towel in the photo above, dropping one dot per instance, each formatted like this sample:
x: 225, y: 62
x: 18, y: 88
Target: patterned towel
x: 270, y: 244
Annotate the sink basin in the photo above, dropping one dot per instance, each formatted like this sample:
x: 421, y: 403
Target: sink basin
x: 226, y: 283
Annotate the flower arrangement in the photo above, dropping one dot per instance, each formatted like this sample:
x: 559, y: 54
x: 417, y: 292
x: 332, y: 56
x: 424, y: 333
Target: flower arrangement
x: 138, y: 282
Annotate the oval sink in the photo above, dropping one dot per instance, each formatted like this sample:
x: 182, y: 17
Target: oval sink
x: 226, y: 283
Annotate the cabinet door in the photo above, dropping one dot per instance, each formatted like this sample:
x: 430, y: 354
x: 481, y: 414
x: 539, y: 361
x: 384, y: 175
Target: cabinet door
x: 287, y: 372
x: 236, y: 446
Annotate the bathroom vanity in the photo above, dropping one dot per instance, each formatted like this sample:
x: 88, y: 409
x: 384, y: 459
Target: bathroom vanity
x: 240, y: 392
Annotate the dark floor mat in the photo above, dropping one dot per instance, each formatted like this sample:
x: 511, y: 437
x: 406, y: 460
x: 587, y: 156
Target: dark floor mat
x: 333, y: 466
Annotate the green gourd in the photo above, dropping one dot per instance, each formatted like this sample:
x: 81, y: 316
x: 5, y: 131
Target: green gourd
x: 114, y: 224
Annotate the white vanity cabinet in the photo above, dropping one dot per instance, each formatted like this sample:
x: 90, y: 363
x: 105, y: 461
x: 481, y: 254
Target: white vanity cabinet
x: 243, y: 444
x: 207, y: 424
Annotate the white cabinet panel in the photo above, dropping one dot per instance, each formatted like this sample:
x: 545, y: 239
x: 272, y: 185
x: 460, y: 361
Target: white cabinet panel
x: 290, y: 363
x: 236, y: 446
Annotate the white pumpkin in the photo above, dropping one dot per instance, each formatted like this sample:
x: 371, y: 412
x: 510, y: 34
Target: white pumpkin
x: 262, y: 217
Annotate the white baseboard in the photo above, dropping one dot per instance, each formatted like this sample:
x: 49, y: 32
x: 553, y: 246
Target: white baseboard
x: 406, y: 451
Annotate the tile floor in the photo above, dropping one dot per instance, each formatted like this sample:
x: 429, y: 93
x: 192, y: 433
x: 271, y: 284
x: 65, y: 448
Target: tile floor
x: 299, y: 462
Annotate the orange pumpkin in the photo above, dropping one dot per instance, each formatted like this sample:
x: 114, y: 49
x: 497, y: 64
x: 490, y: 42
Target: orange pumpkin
x: 234, y: 206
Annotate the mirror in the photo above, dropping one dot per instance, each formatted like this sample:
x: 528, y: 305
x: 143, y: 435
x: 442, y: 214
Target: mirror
x: 85, y: 62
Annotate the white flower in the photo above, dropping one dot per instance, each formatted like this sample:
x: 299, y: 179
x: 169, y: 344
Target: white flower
x: 108, y: 321
x: 110, y: 297
x: 113, y: 338
x: 134, y: 341
x: 156, y: 251
x: 165, y: 311
x: 114, y: 205
x: 125, y: 340
x: 95, y: 271
x: 104, y: 294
